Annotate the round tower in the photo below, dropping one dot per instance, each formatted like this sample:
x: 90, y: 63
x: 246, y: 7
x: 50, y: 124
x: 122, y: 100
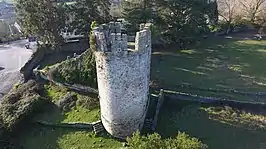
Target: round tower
x: 123, y: 78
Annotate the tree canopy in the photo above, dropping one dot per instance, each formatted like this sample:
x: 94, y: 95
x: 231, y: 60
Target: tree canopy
x: 44, y: 19
x: 47, y: 19
x: 175, y: 19
x: 84, y: 12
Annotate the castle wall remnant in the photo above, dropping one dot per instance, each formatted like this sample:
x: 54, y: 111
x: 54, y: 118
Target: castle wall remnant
x: 123, y: 78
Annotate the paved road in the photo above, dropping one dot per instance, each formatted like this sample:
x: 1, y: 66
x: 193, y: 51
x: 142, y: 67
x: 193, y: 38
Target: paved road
x: 12, y: 57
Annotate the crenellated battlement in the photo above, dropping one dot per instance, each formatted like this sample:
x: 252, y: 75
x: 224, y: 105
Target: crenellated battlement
x: 109, y: 39
x: 123, y: 74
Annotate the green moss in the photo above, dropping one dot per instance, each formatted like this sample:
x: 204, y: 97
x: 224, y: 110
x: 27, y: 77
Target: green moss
x: 80, y: 114
x: 55, y: 92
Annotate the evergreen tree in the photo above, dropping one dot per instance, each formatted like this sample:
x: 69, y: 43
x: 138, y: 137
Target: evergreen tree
x: 84, y: 12
x: 137, y: 12
x: 44, y: 19
x: 174, y: 19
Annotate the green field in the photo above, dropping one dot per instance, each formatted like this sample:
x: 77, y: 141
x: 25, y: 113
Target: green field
x: 228, y: 128
x: 216, y: 63
x: 221, y: 64
x: 39, y: 137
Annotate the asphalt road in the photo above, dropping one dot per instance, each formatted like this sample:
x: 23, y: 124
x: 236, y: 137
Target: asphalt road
x: 12, y: 57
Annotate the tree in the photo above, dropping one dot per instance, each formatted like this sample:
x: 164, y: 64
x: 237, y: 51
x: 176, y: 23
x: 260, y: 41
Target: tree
x: 84, y: 12
x: 182, y: 18
x: 137, y: 12
x: 253, y: 9
x: 154, y: 141
x: 44, y: 19
x: 227, y: 10
x: 174, y: 19
x: 212, y: 12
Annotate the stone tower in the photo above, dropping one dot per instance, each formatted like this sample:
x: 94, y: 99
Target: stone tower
x: 123, y: 78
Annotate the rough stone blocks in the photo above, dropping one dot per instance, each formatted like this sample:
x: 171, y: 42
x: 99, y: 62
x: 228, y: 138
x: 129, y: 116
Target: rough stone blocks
x: 123, y: 79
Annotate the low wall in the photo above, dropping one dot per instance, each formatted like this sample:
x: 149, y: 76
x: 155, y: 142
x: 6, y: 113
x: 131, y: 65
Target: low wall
x: 158, y: 107
x: 33, y: 62
x: 257, y: 107
x: 74, y: 87
x: 77, y: 47
x: 41, y: 52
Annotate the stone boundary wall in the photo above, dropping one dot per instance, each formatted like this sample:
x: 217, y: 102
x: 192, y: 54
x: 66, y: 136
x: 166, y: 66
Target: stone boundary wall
x: 33, y: 62
x: 77, y: 125
x: 77, y: 47
x: 245, y: 105
x: 43, y: 51
x: 74, y: 87
x: 158, y: 107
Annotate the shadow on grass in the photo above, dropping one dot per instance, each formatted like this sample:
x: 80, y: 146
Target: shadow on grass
x: 36, y: 136
x: 190, y: 118
x: 54, y: 58
x: 215, y: 63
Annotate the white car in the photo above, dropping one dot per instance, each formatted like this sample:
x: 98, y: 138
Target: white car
x: 31, y: 44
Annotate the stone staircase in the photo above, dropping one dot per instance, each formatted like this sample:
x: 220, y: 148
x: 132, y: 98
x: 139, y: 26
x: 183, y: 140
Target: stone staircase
x: 148, y: 125
x: 98, y: 127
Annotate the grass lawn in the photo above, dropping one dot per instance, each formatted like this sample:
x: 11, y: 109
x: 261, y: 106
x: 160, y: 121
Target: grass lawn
x: 39, y: 137
x: 216, y: 63
x: 219, y: 128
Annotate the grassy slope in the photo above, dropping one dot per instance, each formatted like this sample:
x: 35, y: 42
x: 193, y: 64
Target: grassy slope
x: 217, y: 131
x: 223, y: 63
x: 219, y: 63
x: 60, y: 138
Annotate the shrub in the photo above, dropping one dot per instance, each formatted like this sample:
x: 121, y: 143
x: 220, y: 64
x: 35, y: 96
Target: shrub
x: 88, y: 102
x: 17, y: 106
x: 154, y: 141
x: 80, y: 70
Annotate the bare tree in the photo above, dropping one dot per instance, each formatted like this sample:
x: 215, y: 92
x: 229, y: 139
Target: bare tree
x: 227, y: 11
x: 253, y: 8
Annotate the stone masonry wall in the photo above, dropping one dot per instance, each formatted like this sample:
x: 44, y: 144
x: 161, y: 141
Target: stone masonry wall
x: 123, y: 79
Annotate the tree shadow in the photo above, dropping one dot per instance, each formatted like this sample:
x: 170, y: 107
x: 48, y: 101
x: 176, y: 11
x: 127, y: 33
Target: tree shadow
x: 186, y: 117
x: 217, y: 62
x: 55, y: 58
x: 35, y: 136
x: 49, y: 137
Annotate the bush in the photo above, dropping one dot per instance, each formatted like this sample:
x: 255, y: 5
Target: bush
x: 17, y: 106
x: 88, y: 102
x: 80, y: 70
x: 154, y: 141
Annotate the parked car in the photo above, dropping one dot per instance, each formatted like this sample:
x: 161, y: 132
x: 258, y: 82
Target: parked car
x: 32, y: 43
